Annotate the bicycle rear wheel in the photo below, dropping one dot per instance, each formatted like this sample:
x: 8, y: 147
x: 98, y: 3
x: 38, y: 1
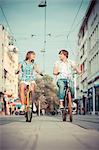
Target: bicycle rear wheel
x: 64, y: 114
x: 29, y: 108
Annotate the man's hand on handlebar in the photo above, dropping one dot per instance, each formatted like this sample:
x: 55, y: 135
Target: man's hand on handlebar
x: 41, y: 74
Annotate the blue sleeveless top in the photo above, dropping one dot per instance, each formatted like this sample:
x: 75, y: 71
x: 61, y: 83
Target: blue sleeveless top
x: 27, y: 71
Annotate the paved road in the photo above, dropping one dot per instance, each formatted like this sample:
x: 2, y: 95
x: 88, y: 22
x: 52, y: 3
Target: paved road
x: 45, y: 133
x: 87, y: 121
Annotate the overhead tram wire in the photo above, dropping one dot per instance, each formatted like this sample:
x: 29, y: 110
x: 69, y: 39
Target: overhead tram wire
x: 73, y: 31
x: 6, y: 20
x: 75, y: 18
x: 70, y: 31
x: 8, y: 24
x: 72, y: 28
x: 18, y: 2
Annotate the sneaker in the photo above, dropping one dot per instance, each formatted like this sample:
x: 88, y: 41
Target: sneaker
x: 22, y: 108
x: 61, y: 107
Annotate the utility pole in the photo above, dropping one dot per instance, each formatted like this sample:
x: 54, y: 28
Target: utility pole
x: 44, y: 4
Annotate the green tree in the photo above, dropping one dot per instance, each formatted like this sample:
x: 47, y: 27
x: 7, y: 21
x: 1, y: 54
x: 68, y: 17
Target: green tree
x: 46, y: 93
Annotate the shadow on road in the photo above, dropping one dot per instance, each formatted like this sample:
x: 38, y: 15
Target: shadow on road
x: 10, y: 119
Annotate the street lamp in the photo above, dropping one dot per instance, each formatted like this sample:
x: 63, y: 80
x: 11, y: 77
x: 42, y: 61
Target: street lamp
x: 44, y: 4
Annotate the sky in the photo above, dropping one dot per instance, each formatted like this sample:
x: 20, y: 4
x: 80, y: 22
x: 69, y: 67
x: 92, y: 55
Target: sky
x: 25, y: 18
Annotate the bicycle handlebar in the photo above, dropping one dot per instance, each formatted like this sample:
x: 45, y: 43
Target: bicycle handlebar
x: 17, y: 72
x: 42, y: 74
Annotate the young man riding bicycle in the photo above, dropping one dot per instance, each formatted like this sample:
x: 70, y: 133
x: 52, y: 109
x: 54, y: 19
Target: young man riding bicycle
x: 63, y: 72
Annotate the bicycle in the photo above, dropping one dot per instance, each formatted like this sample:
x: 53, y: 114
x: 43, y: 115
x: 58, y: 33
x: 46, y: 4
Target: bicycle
x: 67, y: 103
x: 29, y: 102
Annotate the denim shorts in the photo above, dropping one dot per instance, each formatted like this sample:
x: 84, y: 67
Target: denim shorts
x: 61, y: 83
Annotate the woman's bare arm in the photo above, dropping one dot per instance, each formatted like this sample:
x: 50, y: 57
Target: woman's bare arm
x: 19, y: 68
x: 36, y: 68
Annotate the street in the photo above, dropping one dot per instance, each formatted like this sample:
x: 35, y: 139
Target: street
x: 47, y: 133
x: 49, y: 55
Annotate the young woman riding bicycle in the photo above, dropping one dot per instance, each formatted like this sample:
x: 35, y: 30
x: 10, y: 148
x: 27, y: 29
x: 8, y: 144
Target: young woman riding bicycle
x: 26, y: 69
x: 63, y: 72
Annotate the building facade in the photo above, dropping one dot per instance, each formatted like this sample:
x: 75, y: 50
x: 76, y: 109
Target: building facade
x: 88, y: 56
x: 8, y: 64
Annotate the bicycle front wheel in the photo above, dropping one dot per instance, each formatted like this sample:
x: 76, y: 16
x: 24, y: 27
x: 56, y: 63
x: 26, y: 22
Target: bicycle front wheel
x: 29, y: 115
x: 29, y: 108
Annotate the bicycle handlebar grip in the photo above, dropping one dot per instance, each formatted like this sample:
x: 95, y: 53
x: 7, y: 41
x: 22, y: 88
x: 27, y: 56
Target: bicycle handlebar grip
x: 42, y: 74
x: 17, y: 72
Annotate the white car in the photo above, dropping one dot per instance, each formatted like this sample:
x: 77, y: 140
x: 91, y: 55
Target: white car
x: 74, y: 108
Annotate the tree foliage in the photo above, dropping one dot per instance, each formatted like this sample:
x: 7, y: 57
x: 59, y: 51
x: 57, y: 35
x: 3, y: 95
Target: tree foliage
x: 46, y: 93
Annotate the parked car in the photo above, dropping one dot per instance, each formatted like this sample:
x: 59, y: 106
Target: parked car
x: 74, y: 111
x: 74, y: 108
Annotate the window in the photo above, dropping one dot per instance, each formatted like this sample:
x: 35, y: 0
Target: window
x: 82, y: 51
x: 5, y: 73
x: 85, y: 62
x: 98, y: 59
x: 90, y: 67
x: 93, y: 38
x: 2, y: 27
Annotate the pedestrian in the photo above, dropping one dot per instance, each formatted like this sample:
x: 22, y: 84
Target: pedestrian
x: 1, y: 103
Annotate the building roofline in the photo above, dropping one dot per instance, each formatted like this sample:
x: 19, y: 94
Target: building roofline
x: 87, y: 14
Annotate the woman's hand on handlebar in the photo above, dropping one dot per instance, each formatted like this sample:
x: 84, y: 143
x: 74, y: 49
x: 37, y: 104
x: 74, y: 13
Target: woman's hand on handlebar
x: 17, y: 71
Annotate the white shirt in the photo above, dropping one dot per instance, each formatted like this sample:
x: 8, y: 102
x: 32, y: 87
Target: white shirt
x: 65, y: 69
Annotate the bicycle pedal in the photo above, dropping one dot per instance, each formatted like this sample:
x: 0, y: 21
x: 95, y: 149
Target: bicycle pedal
x: 61, y: 108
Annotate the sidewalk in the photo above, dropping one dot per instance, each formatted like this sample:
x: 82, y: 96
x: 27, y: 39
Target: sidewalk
x: 87, y: 121
x: 88, y: 118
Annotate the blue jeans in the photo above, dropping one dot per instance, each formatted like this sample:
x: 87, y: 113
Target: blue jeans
x: 61, y: 84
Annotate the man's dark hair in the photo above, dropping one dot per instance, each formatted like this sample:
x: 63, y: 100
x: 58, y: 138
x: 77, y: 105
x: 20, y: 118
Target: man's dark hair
x: 65, y: 52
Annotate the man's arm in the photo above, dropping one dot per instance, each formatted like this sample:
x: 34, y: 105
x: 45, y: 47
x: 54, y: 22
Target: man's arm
x: 76, y: 68
x: 55, y: 70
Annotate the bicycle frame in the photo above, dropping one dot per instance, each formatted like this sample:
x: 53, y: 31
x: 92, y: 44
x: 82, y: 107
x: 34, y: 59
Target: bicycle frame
x: 67, y: 104
x: 28, y: 88
x: 29, y: 102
